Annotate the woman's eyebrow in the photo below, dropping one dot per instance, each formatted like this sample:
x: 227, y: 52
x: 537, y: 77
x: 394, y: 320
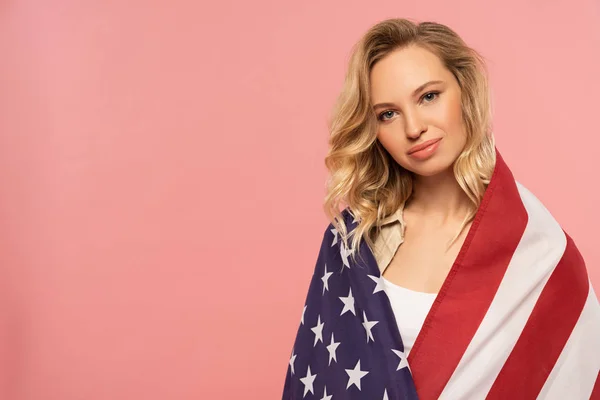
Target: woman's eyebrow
x: 417, y: 90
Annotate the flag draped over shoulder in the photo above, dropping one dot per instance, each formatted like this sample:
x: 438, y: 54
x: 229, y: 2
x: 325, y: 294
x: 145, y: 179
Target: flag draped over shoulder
x: 516, y: 317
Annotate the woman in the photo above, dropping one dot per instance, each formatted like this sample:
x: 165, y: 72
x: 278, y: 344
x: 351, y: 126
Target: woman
x: 443, y: 277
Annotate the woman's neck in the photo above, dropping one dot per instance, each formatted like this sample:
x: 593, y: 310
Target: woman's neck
x: 439, y: 197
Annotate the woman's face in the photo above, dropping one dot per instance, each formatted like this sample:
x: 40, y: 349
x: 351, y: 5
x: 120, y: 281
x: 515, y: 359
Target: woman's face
x: 422, y: 103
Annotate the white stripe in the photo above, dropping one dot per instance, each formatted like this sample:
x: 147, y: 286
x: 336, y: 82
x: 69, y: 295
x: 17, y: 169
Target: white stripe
x: 540, y: 249
x: 576, y: 369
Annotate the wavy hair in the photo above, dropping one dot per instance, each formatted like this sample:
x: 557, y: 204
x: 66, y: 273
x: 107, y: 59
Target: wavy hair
x: 362, y: 174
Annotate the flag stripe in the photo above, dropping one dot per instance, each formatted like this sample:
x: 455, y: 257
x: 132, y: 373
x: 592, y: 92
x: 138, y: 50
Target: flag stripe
x: 470, y: 285
x: 540, y: 249
x: 596, y: 391
x: 577, y: 367
x: 543, y: 339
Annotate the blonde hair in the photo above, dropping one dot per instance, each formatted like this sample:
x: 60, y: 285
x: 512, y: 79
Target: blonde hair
x: 362, y: 174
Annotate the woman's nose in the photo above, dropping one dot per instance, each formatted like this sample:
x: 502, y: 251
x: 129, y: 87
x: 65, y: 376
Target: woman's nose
x: 414, y: 125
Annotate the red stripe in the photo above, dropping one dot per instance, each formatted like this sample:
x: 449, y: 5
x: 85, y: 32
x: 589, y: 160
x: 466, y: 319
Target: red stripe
x: 596, y: 390
x: 470, y: 285
x: 547, y: 330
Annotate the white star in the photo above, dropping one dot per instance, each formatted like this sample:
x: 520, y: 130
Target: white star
x: 331, y: 348
x: 325, y: 396
x: 355, y: 375
x: 292, y: 359
x: 334, y: 231
x: 325, y: 279
x: 379, y: 281
x: 348, y: 303
x: 403, y: 362
x: 302, y: 319
x: 344, y: 253
x: 318, y: 330
x: 308, y: 382
x: 368, y: 326
x: 385, y: 396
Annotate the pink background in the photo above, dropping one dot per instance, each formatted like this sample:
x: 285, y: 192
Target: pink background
x: 161, y: 169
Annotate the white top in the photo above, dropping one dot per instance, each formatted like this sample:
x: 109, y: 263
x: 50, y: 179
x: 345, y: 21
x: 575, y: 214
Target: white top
x: 410, y: 309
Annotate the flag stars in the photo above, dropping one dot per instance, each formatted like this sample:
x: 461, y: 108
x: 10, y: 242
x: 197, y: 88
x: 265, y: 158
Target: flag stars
x: 344, y: 253
x: 325, y: 396
x: 308, y: 381
x: 355, y: 375
x: 335, y: 232
x: 318, y: 330
x: 292, y: 360
x: 348, y: 303
x: 331, y: 348
x: 379, y: 283
x: 403, y: 362
x: 303, y: 312
x: 325, y: 279
x: 368, y: 325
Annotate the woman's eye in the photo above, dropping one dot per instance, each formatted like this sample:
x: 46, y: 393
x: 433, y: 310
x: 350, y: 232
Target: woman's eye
x: 383, y: 114
x: 430, y: 96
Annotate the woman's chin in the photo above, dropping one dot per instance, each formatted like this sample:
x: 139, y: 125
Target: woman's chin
x: 431, y: 169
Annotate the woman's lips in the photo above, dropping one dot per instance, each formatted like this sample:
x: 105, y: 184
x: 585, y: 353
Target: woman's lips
x: 425, y: 149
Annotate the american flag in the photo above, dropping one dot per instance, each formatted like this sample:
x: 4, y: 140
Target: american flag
x: 516, y: 317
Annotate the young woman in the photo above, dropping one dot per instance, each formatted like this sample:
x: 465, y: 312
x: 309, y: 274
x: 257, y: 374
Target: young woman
x: 443, y: 277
